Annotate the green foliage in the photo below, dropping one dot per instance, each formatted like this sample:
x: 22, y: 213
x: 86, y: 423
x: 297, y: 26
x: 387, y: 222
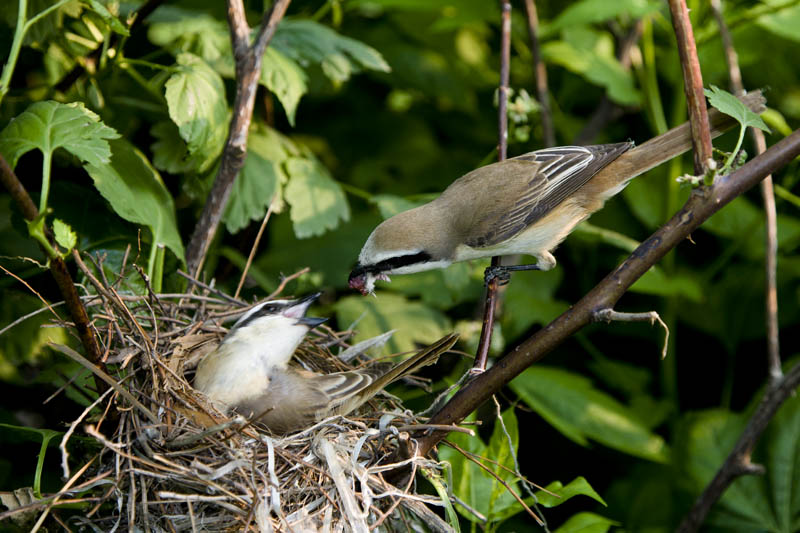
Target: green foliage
x: 581, y: 412
x: 367, y: 108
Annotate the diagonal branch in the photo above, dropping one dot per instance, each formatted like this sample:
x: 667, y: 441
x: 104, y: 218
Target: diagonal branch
x: 248, y: 70
x: 701, y: 205
x: 738, y: 462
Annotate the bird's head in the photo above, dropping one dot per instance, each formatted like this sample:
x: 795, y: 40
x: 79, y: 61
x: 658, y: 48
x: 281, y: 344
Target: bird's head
x: 276, y: 325
x: 411, y: 241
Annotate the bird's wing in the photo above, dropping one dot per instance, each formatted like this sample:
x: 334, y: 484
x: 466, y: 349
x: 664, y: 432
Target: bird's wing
x: 541, y: 180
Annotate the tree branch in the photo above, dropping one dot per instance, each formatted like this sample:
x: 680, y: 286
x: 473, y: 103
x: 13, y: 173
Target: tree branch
x: 699, y: 207
x: 738, y: 462
x: 692, y: 85
x: 490, y: 303
x: 248, y: 70
x: 540, y: 74
x: 770, y: 213
x: 58, y: 268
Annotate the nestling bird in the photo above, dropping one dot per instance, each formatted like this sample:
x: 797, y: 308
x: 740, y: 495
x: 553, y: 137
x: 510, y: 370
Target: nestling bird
x: 249, y: 371
x: 523, y: 205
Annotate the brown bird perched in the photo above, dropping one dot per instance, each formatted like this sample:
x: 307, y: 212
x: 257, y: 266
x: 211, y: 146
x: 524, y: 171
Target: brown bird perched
x: 249, y: 371
x: 523, y: 205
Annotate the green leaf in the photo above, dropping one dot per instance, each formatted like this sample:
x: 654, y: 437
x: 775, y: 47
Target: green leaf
x: 196, y: 101
x: 783, y: 22
x: 259, y: 183
x: 577, y: 487
x: 532, y: 301
x: 284, y: 77
x: 727, y: 103
x: 306, y: 41
x: 317, y: 201
x: 65, y: 237
x: 170, y: 152
x: 26, y: 344
x: 414, y: 322
x: 589, y: 54
x: 50, y: 125
x: 588, y: 12
x: 782, y: 441
x: 578, y: 410
x: 586, y: 523
x: 389, y: 204
x: 109, y: 18
x: 136, y: 193
x: 655, y: 281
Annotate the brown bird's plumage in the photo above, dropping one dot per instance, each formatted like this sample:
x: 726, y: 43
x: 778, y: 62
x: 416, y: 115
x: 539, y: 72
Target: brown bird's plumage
x: 523, y: 205
x: 295, y: 399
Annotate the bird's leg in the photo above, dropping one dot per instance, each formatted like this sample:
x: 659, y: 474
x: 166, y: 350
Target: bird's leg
x: 544, y: 261
x: 503, y: 273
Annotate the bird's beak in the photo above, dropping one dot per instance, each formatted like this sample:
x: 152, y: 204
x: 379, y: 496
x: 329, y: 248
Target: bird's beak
x: 297, y: 309
x: 358, y: 281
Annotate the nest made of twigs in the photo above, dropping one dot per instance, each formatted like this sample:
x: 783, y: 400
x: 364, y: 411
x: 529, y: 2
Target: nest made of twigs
x: 168, y: 461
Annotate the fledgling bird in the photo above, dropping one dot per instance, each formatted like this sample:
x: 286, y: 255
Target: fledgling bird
x: 523, y: 205
x: 249, y: 371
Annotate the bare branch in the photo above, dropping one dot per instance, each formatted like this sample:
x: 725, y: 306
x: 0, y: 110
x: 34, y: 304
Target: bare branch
x: 770, y: 218
x: 698, y: 208
x: 540, y: 71
x: 738, y: 462
x: 490, y: 304
x: 692, y: 84
x: 248, y: 70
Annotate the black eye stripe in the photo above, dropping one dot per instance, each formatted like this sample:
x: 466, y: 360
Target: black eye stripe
x: 391, y: 264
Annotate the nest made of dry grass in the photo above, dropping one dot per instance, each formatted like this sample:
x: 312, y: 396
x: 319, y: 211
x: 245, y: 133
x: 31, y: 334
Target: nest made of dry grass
x: 168, y: 461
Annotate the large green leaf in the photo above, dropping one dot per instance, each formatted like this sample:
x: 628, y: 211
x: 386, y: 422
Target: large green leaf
x: 50, y: 125
x: 586, y: 523
x: 136, y: 193
x: 414, y: 322
x: 284, y: 77
x: 261, y: 179
x: 317, y: 201
x: 578, y: 410
x: 196, y: 101
x: 589, y: 54
x: 307, y: 41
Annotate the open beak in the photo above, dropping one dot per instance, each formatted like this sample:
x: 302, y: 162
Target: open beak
x: 297, y: 309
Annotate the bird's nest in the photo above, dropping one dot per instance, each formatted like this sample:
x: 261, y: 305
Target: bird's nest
x: 159, y: 457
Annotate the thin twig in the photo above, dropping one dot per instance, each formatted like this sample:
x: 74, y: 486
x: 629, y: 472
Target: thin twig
x: 738, y: 462
x: 248, y: 69
x: 490, y: 303
x: 698, y: 208
x: 540, y: 70
x: 770, y: 213
x: 692, y: 85
x: 254, y: 247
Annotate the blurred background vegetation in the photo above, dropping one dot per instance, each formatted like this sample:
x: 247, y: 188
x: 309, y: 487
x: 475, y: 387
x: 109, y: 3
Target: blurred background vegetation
x: 369, y: 107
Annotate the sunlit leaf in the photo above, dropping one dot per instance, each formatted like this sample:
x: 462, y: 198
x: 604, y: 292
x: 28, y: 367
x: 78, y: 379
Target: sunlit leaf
x: 317, y: 201
x: 587, y: 523
x: 65, y: 237
x: 727, y: 103
x: 51, y: 125
x: 414, y: 322
x: 577, y: 487
x: 196, y: 100
x: 135, y: 191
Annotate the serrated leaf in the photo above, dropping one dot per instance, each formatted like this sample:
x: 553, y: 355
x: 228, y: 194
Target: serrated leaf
x: 196, y: 101
x: 414, y: 322
x: 136, y: 193
x: 577, y: 487
x: 727, y: 103
x: 65, y: 237
x: 317, y: 201
x: 259, y: 182
x: 578, y: 410
x: 587, y: 523
x: 170, y: 153
x: 307, y: 41
x: 50, y: 125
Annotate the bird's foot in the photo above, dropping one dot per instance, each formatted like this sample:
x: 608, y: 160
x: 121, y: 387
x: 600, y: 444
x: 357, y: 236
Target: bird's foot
x: 503, y: 273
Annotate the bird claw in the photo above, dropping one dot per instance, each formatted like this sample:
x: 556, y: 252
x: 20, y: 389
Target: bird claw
x: 500, y: 273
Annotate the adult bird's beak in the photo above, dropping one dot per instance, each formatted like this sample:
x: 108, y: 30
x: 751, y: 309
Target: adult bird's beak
x: 297, y: 309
